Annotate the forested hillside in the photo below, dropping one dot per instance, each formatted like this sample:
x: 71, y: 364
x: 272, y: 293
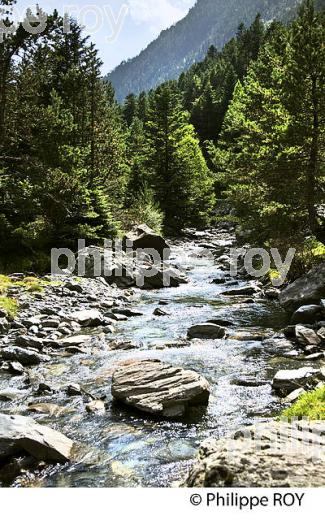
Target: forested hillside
x: 209, y: 22
x: 246, y: 124
x: 258, y: 109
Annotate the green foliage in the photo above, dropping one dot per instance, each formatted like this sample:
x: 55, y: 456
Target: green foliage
x: 209, y: 22
x: 63, y: 171
x: 9, y: 305
x: 246, y: 123
x: 4, y: 283
x: 177, y: 171
x: 269, y: 158
x: 310, y: 405
x: 144, y: 209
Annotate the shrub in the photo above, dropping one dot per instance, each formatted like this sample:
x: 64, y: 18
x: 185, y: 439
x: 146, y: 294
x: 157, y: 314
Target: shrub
x: 146, y: 210
x: 310, y: 405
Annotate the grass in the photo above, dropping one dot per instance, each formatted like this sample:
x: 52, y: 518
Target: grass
x: 9, y: 305
x: 4, y: 283
x: 31, y: 284
x: 310, y: 405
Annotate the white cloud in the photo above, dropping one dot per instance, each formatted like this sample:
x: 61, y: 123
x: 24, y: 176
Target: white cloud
x: 158, y: 14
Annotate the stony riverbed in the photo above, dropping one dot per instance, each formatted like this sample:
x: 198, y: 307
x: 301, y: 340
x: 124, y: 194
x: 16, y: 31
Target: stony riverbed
x: 118, y: 446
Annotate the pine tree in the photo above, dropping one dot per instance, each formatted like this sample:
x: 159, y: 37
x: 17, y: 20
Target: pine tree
x: 304, y: 97
x: 270, y: 154
x: 130, y: 108
x: 181, y: 180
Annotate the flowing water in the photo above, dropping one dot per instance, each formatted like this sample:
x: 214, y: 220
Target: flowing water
x: 124, y: 448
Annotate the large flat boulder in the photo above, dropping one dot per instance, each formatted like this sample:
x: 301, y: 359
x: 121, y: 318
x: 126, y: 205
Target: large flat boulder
x: 286, y: 381
x: 22, y: 434
x: 159, y: 388
x: 276, y: 454
x: 308, y: 289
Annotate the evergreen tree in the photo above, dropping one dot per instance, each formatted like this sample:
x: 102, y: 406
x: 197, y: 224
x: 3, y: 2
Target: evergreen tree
x: 180, y: 177
x: 130, y: 108
x: 304, y: 98
x: 270, y: 154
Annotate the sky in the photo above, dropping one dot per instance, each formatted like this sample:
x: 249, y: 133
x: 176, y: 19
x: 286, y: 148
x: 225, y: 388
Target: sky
x: 119, y: 28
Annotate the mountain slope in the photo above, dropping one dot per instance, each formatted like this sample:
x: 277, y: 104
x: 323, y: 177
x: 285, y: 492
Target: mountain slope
x: 208, y: 22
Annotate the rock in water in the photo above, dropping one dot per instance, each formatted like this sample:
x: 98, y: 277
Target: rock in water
x: 308, y: 289
x: 126, y: 271
x: 277, y: 454
x: 18, y: 433
x: 24, y: 356
x: 206, y: 331
x: 96, y: 406
x: 248, y: 290
x: 286, y: 381
x: 159, y: 388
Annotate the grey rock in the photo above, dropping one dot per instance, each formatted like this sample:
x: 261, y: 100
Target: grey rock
x: 315, y: 357
x: 14, y: 367
x: 30, y: 342
x: 97, y: 406
x: 30, y: 322
x: 123, y: 345
x: 143, y: 237
x: 307, y: 314
x: 161, y: 277
x: 88, y: 318
x: 159, y: 388
x: 219, y: 280
x: 321, y: 333
x: 52, y: 323
x: 206, y: 331
x: 308, y: 289
x: 276, y: 455
x: 75, y: 341
x: 272, y: 294
x: 74, y: 287
x: 248, y: 290
x: 74, y: 390
x: 286, y: 381
x: 294, y: 396
x: 306, y: 336
x: 160, y: 312
x: 11, y: 394
x: 19, y: 434
x: 26, y: 357
x: 4, y: 325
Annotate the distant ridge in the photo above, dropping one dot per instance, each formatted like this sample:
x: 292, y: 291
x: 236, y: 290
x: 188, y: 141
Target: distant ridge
x: 177, y: 48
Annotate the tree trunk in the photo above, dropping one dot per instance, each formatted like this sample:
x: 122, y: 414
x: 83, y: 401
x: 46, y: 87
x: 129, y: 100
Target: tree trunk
x: 313, y: 163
